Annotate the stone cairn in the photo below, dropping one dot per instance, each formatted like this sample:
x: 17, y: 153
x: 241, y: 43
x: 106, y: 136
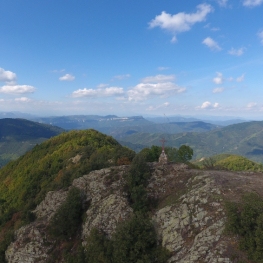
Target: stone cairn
x: 163, y: 157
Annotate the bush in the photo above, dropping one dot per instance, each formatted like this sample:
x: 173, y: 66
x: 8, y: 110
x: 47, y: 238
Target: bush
x: 246, y: 220
x: 135, y: 240
x: 99, y: 248
x: 136, y: 182
x: 67, y: 220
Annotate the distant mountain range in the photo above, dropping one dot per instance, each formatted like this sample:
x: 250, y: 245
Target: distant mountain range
x: 17, y: 136
x: 136, y: 133
x: 120, y: 127
x: 244, y: 139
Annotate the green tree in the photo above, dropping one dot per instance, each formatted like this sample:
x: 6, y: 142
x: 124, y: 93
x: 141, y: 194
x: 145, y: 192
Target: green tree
x: 245, y: 219
x: 136, y: 182
x: 135, y: 241
x: 67, y: 219
x: 184, y: 154
x: 99, y: 248
x: 151, y: 154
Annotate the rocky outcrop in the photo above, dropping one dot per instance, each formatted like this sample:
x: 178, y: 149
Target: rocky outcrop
x: 188, y: 215
x: 107, y: 207
x: 192, y: 228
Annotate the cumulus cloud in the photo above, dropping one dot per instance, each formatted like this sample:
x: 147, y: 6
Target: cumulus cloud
x: 252, y: 3
x: 218, y: 79
x: 222, y: 2
x: 241, y: 78
x: 212, y: 44
x: 260, y: 35
x: 103, y: 92
x: 143, y: 91
x: 209, y: 105
x: 158, y: 78
x: 218, y: 90
x: 67, y: 77
x: 236, y: 52
x: 17, y: 89
x: 121, y: 77
x: 7, y: 76
x: 23, y: 99
x: 251, y: 105
x: 180, y: 22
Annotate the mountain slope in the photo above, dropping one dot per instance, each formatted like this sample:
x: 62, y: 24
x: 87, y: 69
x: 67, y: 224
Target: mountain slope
x: 56, y: 162
x: 19, y: 135
x: 244, y: 139
x: 189, y: 216
x: 52, y: 165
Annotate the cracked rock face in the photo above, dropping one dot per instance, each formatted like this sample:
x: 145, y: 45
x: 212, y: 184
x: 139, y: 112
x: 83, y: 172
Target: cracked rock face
x: 192, y: 229
x: 108, y: 206
x: 189, y: 218
x: 29, y: 246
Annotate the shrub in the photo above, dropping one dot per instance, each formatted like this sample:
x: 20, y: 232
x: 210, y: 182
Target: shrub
x: 246, y: 220
x: 136, y: 182
x: 67, y: 219
x: 135, y: 240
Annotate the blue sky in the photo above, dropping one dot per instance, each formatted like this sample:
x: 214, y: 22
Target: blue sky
x: 132, y: 57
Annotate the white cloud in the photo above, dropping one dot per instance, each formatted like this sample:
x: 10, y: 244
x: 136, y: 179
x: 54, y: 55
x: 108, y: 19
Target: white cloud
x: 121, y: 77
x: 212, y: 44
x: 218, y: 79
x: 174, y: 39
x: 162, y: 68
x: 241, y: 78
x: 181, y: 22
x: 102, y: 85
x: 23, y: 99
x: 158, y: 78
x: 67, y: 77
x: 107, y: 92
x: 252, y: 3
x: 17, y: 89
x: 215, y: 29
x: 218, y: 90
x: 236, y: 52
x: 7, y: 76
x: 252, y: 105
x: 58, y: 70
x: 222, y: 2
x: 153, y: 108
x: 209, y: 105
x: 260, y: 35
x: 144, y: 90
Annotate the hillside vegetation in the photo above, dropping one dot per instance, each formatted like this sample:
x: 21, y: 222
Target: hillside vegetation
x: 53, y: 165
x: 229, y: 162
x: 17, y: 136
x: 245, y: 139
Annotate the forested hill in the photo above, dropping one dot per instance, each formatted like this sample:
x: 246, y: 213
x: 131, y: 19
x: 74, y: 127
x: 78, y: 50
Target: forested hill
x: 245, y: 139
x: 19, y: 135
x: 21, y: 129
x: 52, y: 165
